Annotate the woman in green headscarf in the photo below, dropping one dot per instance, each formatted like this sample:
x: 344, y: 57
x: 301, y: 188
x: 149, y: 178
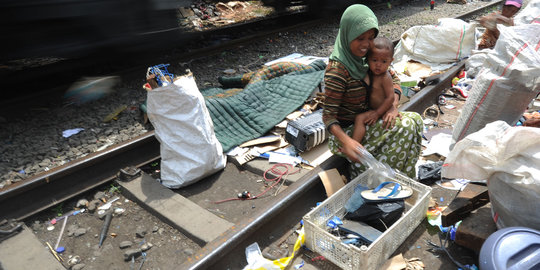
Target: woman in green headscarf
x: 395, y: 139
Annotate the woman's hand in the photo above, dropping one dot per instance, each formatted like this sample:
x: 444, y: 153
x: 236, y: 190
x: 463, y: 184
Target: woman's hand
x: 389, y: 118
x: 350, y: 149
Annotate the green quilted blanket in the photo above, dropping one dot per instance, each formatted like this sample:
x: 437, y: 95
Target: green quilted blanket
x: 243, y: 115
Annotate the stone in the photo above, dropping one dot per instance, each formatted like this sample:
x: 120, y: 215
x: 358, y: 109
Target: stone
x: 146, y: 246
x: 141, y: 232
x: 125, y: 244
x: 79, y: 232
x: 132, y: 252
x: 71, y: 229
x: 92, y: 205
x: 78, y: 266
x: 99, y: 195
x: 189, y: 251
x: 82, y: 203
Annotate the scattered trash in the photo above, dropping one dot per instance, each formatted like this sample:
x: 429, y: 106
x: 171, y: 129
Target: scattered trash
x: 105, y: 228
x: 300, y: 265
x: 114, y: 114
x: 69, y: 132
x: 162, y: 75
x: 257, y: 261
x: 71, y: 213
x: 60, y: 249
x: 54, y: 253
x: 229, y: 71
x: 453, y: 184
x: 108, y: 204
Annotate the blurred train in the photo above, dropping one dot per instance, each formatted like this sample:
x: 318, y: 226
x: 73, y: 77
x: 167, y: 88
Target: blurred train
x: 73, y: 28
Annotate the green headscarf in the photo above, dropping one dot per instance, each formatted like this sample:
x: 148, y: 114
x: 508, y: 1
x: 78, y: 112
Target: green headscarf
x: 356, y: 20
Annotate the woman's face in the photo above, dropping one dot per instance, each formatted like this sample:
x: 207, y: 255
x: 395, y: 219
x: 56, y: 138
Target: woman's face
x: 361, y: 44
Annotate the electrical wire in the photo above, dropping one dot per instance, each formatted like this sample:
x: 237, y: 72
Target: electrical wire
x: 281, y: 170
x: 442, y: 247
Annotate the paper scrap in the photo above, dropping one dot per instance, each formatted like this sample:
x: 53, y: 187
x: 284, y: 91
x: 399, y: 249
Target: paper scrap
x: 70, y: 132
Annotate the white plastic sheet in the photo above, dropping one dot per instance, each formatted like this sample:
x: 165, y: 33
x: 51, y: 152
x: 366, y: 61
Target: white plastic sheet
x: 509, y: 157
x: 189, y: 147
x: 438, y: 46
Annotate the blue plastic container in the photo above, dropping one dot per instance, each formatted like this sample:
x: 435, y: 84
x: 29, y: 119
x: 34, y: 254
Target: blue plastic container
x: 512, y: 248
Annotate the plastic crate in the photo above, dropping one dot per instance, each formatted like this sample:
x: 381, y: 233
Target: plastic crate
x: 348, y: 256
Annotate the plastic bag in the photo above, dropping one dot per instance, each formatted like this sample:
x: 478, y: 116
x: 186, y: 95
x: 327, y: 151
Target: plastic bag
x: 378, y: 167
x: 507, y: 82
x: 189, y: 148
x: 509, y: 157
x: 379, y: 215
x: 429, y: 173
x: 256, y: 261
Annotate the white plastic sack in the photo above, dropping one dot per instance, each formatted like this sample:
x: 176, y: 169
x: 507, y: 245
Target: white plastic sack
x: 437, y: 45
x: 528, y: 14
x: 189, y: 147
x: 507, y: 83
x: 509, y: 157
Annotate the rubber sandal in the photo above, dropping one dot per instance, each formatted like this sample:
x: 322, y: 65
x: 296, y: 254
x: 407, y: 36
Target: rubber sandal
x: 384, y: 193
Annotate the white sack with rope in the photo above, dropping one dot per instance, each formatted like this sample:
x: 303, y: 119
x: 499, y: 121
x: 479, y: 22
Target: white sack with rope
x: 509, y: 158
x: 189, y: 147
x: 506, y: 84
x: 438, y: 46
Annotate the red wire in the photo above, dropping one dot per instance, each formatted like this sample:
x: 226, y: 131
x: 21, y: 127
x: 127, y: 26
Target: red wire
x: 280, y: 175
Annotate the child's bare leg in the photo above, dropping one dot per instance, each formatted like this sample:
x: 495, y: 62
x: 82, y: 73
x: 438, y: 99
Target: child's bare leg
x: 359, y: 127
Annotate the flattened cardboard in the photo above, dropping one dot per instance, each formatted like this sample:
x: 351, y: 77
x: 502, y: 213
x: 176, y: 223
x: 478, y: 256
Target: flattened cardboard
x: 332, y: 181
x: 261, y: 140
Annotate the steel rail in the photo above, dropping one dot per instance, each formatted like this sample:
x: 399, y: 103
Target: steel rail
x: 23, y: 199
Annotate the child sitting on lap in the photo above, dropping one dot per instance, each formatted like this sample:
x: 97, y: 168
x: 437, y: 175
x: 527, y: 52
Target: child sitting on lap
x: 380, y: 86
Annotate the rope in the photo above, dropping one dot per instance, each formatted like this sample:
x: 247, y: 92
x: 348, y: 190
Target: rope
x: 281, y: 171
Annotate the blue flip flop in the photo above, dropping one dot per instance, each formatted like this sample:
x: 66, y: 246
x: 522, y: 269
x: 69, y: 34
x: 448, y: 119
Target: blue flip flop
x: 384, y: 193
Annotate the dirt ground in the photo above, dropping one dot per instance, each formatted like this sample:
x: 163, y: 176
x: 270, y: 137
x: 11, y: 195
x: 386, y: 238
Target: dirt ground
x: 81, y: 236
x: 168, y: 247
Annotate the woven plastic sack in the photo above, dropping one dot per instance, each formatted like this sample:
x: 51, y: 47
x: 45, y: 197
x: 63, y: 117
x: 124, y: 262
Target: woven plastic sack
x: 509, y: 158
x: 447, y: 42
x: 507, y: 83
x: 189, y: 148
x: 529, y: 14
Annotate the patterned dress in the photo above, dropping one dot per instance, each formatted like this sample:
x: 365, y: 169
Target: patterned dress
x: 346, y: 97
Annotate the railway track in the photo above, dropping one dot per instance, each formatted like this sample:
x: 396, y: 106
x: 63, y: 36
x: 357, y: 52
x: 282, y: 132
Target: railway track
x: 24, y: 199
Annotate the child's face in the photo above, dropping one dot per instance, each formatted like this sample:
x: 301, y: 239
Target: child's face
x: 379, y: 60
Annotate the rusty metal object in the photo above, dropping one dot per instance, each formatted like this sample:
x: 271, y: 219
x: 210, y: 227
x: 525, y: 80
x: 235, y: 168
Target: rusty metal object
x: 469, y: 199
